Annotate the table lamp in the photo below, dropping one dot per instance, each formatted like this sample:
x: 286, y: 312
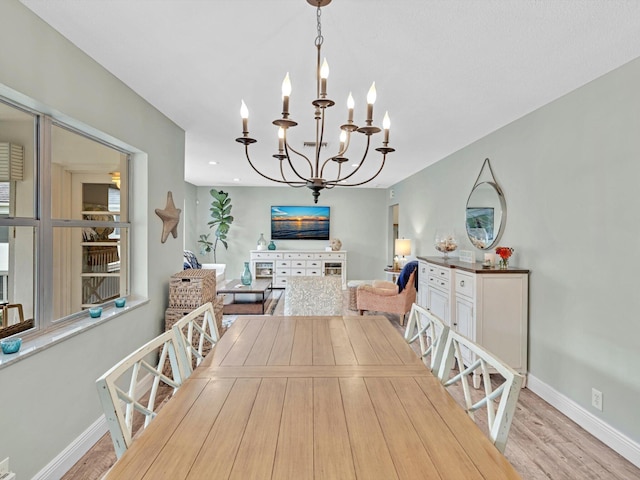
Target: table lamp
x: 402, y: 249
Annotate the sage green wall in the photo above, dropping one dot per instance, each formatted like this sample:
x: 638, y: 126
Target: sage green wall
x: 50, y: 398
x: 358, y: 219
x: 570, y: 175
x: 190, y: 216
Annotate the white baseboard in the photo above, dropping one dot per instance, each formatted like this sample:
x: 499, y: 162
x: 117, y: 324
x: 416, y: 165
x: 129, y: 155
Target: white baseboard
x: 604, y: 432
x: 73, y: 452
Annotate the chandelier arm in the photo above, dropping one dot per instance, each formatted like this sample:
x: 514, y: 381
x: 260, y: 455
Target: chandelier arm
x: 364, y: 156
x: 286, y: 150
x: 329, y: 187
x: 246, y: 149
x: 292, y: 183
x: 334, y: 182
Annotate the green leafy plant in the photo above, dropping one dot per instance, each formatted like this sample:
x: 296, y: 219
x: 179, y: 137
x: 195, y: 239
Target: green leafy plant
x: 221, y: 219
x: 206, y: 244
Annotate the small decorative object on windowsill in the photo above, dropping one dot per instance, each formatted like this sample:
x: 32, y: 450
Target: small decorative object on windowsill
x: 95, y: 312
x: 445, y: 242
x: 10, y: 345
x: 272, y: 246
x: 246, y: 277
x: 262, y: 243
x: 120, y: 302
x: 504, y: 253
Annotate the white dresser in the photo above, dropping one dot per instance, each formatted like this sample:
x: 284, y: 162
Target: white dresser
x: 488, y: 306
x: 280, y: 265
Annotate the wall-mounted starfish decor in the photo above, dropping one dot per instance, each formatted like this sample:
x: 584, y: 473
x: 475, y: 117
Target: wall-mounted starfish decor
x: 170, y: 216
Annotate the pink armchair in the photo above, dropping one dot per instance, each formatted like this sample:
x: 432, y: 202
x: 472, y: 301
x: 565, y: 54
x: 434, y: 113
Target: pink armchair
x: 383, y: 296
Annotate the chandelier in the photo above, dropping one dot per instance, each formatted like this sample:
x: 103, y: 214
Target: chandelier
x: 316, y: 180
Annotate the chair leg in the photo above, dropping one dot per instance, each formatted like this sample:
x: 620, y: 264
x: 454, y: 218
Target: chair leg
x: 360, y: 312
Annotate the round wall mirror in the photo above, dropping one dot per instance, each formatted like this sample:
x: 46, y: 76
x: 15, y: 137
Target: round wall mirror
x: 486, y: 215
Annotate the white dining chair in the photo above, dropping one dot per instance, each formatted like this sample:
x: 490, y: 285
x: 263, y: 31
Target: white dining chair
x: 498, y: 421
x: 430, y: 331
x: 313, y: 295
x: 120, y: 401
x: 198, y: 333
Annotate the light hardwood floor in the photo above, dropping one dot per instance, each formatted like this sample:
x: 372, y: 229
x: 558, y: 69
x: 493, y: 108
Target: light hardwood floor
x: 543, y: 443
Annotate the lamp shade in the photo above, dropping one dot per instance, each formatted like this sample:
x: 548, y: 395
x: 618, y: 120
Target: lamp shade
x: 403, y: 247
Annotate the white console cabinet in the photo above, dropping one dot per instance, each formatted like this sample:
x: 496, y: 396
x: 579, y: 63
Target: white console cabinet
x: 489, y: 307
x: 280, y: 265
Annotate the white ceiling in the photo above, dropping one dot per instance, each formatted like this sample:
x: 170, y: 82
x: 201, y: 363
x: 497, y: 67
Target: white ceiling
x: 448, y: 71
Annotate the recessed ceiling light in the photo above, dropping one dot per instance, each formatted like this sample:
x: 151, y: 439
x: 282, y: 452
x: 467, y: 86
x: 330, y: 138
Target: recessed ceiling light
x: 236, y: 179
x: 213, y: 163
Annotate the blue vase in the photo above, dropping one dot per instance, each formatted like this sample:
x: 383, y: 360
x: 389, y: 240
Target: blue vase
x: 272, y: 246
x: 246, y: 278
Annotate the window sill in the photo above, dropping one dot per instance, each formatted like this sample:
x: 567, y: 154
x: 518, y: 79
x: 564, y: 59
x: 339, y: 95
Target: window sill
x: 36, y: 343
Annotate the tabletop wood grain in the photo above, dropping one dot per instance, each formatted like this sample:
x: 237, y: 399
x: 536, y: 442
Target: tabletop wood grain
x: 312, y: 398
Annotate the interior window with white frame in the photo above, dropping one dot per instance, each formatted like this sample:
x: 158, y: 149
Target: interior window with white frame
x: 64, y: 223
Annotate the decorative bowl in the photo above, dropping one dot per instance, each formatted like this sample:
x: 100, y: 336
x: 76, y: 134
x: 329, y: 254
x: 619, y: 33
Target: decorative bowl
x: 11, y: 345
x: 445, y: 242
x: 120, y: 302
x: 95, y: 312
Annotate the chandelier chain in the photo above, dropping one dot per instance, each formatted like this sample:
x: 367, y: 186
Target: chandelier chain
x: 319, y: 38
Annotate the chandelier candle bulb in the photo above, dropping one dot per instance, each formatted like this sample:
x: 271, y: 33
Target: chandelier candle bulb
x: 350, y: 105
x: 386, y: 123
x: 324, y: 74
x: 371, y: 99
x: 244, y: 113
x: 343, y: 139
x: 286, y: 91
x: 281, y: 139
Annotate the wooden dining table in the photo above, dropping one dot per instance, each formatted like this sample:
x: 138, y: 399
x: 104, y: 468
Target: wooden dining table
x: 312, y: 398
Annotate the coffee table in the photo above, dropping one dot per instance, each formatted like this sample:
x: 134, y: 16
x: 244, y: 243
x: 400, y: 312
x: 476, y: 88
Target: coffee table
x: 246, y: 299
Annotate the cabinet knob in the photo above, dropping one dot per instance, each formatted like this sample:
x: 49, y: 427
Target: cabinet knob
x: 462, y: 283
x: 455, y: 324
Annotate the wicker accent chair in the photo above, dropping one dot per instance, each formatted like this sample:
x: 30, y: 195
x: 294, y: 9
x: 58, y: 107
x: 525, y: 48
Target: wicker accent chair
x: 383, y: 296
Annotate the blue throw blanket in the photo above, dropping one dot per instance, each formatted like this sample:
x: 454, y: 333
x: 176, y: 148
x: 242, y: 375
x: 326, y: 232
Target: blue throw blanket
x: 403, y: 278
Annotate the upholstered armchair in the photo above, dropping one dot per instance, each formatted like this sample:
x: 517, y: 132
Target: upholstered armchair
x: 383, y: 296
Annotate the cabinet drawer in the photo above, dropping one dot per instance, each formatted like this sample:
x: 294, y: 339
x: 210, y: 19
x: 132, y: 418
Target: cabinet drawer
x: 299, y: 256
x: 423, y: 270
x: 298, y: 263
x: 265, y: 255
x: 283, y: 264
x: 296, y: 272
x: 280, y: 282
x: 283, y: 272
x: 465, y: 284
x: 439, y: 283
x: 331, y: 256
x: 440, y: 272
x: 314, y: 263
x: 313, y: 272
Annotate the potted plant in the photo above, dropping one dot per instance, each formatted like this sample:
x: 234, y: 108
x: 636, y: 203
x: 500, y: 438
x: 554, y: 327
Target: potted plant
x: 205, y: 244
x: 221, y: 220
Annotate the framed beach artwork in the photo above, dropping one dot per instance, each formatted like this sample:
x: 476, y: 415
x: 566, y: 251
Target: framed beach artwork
x: 300, y: 223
